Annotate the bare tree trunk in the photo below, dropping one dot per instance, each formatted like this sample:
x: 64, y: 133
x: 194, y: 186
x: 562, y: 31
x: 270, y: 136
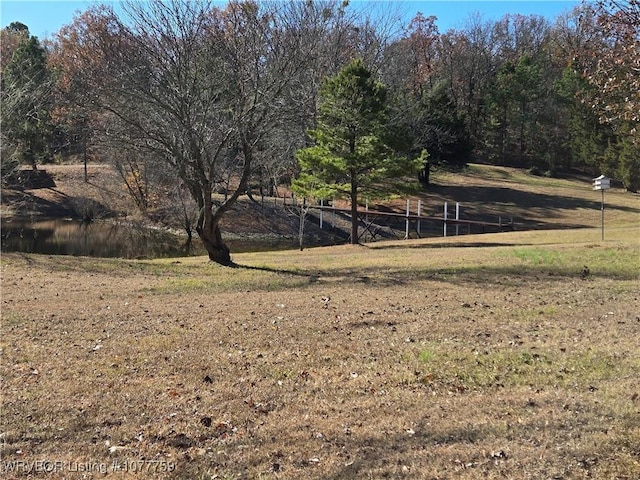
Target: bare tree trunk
x: 84, y: 161
x: 208, y: 227
x: 216, y: 248
x: 208, y: 230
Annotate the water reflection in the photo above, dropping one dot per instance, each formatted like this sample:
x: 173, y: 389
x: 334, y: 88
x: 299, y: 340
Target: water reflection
x: 104, y: 239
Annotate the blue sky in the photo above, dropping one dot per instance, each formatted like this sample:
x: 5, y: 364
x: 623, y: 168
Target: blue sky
x: 44, y: 18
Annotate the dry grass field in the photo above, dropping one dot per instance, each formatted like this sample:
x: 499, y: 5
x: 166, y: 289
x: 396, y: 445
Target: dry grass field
x: 512, y: 355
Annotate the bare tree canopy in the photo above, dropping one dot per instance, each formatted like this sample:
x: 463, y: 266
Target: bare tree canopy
x: 198, y: 87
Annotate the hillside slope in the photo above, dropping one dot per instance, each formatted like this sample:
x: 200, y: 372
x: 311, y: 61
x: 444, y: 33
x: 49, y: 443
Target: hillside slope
x: 484, y: 193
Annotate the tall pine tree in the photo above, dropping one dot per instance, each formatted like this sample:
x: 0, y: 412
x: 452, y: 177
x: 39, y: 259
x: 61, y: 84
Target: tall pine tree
x: 355, y: 151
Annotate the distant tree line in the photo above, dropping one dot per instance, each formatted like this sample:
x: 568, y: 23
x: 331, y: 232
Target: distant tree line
x: 189, y: 98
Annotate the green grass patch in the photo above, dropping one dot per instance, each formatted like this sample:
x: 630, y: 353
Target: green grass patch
x: 617, y: 261
x: 444, y: 364
x: 12, y: 319
x: 226, y: 280
x: 426, y: 356
x: 539, y: 256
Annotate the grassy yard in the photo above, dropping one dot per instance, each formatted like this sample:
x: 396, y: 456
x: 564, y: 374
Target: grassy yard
x: 508, y: 355
x: 492, y: 356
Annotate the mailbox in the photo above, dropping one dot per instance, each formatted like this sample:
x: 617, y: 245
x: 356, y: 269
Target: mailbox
x: 601, y: 183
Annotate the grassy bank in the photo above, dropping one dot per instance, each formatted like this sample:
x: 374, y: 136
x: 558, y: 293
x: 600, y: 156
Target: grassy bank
x: 509, y: 355
x: 485, y: 193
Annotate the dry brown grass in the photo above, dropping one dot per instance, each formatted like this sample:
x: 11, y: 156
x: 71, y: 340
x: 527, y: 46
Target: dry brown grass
x: 483, y: 356
x: 497, y: 358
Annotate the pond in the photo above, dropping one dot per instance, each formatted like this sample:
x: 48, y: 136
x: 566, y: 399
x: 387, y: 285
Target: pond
x: 106, y: 239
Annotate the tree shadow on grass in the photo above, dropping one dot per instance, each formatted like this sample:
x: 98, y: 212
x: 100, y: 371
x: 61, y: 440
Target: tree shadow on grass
x: 388, y: 454
x: 385, y: 277
x: 312, y: 275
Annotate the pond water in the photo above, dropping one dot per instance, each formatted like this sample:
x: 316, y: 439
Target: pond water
x: 105, y: 239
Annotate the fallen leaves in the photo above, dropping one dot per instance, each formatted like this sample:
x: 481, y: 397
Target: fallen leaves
x: 180, y: 441
x: 229, y: 392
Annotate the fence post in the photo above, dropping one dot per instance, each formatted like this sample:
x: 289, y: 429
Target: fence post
x: 321, y: 211
x: 445, y: 218
x: 406, y: 224
x: 366, y: 219
x: 333, y: 215
x: 457, y: 217
x: 419, y: 208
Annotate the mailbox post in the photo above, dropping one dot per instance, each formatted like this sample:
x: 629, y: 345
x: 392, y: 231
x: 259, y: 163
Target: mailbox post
x: 602, y: 183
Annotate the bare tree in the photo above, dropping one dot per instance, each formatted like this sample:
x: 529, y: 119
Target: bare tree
x: 200, y: 88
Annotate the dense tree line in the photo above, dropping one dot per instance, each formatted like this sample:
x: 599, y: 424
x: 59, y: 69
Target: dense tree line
x: 188, y: 98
